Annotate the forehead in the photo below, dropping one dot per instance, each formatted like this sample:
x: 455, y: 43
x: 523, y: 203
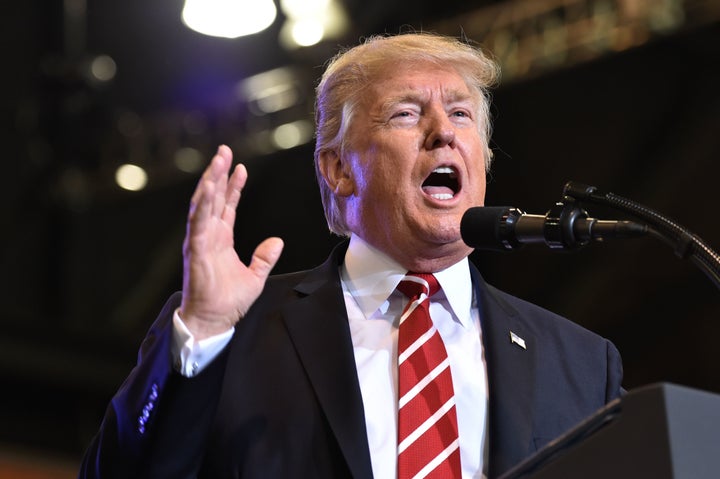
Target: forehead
x: 418, y: 82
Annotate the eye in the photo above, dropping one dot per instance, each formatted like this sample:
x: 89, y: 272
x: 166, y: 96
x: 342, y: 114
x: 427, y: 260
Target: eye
x: 405, y: 113
x: 404, y: 116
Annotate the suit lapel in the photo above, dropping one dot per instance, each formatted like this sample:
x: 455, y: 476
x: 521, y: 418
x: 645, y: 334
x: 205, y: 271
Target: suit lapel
x: 511, y: 378
x: 318, y: 326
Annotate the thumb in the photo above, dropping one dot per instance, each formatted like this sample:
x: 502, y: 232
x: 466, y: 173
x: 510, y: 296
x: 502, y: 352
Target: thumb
x: 265, y: 256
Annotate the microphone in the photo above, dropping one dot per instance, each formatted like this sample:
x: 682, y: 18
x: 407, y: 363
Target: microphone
x: 565, y: 226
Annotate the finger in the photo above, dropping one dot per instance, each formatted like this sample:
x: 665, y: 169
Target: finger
x: 206, y: 177
x: 233, y: 193
x: 200, y: 206
x: 219, y: 167
x: 265, y: 257
x: 219, y: 164
x: 225, y: 152
x: 209, y: 175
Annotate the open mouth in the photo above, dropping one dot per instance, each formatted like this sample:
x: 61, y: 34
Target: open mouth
x: 442, y: 184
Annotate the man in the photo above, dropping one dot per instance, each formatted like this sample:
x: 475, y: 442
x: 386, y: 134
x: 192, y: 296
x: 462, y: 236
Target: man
x: 297, y: 375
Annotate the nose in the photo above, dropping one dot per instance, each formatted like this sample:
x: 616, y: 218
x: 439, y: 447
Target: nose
x: 440, y: 131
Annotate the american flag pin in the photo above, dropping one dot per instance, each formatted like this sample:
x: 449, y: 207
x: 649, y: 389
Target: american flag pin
x: 514, y: 338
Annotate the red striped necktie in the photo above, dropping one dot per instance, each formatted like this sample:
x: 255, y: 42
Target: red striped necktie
x: 428, y: 445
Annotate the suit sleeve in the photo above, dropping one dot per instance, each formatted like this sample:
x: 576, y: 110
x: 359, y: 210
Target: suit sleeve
x: 614, y: 373
x: 157, y: 422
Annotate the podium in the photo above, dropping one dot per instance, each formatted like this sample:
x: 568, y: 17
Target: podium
x: 660, y: 431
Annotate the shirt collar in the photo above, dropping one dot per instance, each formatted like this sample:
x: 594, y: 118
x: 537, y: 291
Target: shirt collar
x: 371, y: 277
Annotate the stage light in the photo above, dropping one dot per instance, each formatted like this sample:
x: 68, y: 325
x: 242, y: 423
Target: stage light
x: 311, y: 21
x: 292, y: 134
x: 131, y: 177
x: 308, y: 32
x: 228, y: 18
x: 271, y: 91
x: 189, y: 160
x: 103, y: 68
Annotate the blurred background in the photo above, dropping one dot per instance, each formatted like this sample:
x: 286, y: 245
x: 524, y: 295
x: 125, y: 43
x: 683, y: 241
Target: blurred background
x: 111, y: 109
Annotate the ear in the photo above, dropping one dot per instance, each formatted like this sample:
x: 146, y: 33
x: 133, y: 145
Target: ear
x: 337, y: 173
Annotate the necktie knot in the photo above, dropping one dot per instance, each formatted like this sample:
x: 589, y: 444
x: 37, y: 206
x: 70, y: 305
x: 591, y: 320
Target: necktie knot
x: 415, y: 284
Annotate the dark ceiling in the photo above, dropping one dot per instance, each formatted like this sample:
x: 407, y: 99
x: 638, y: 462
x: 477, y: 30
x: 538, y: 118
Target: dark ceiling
x: 85, y: 266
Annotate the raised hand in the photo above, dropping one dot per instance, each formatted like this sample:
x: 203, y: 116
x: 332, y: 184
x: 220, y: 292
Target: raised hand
x: 218, y: 289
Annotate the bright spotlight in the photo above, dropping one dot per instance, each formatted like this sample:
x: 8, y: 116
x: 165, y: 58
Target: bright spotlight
x: 131, y: 177
x: 228, y: 18
x: 308, y: 32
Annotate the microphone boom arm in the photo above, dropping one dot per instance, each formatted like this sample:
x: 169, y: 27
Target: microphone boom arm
x: 685, y: 244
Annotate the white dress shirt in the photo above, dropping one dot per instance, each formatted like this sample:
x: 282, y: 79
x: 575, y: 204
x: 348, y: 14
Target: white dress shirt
x: 369, y: 281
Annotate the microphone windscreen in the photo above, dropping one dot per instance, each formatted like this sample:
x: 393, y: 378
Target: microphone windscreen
x: 480, y: 227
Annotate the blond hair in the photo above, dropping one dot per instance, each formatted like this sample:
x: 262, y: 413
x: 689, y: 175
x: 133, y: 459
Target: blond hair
x: 350, y: 72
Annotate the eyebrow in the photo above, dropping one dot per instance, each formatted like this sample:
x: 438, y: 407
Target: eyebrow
x: 415, y: 96
x: 411, y: 96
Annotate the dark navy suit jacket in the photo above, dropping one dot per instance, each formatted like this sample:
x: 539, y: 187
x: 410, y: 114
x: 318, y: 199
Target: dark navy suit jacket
x: 283, y: 400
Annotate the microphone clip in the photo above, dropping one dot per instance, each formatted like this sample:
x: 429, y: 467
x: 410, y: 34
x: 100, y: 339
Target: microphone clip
x: 567, y: 225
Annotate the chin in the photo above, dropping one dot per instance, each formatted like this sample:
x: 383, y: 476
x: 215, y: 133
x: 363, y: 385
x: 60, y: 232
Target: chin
x: 445, y: 232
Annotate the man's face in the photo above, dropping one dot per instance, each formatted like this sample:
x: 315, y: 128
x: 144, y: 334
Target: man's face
x: 416, y: 164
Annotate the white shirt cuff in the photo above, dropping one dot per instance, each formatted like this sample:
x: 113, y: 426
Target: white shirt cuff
x: 191, y: 356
